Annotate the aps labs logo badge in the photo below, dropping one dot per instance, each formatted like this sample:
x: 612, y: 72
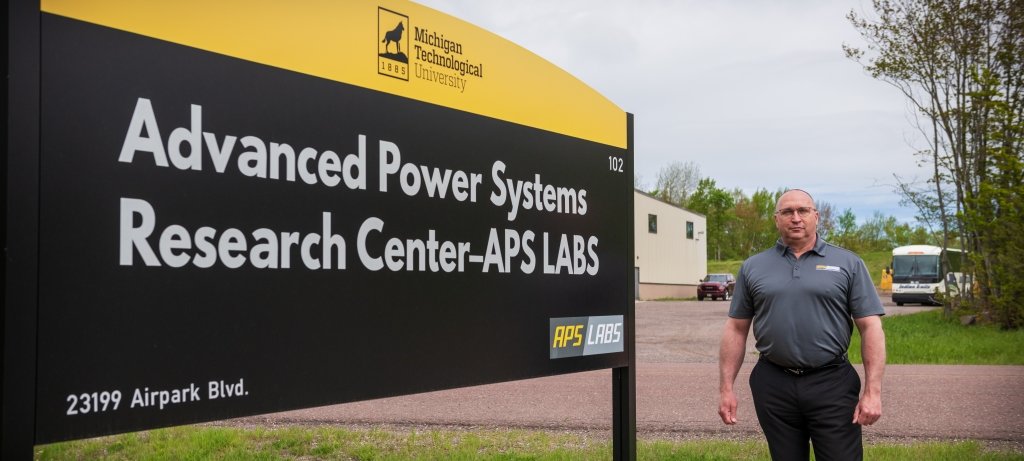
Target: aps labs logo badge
x: 393, y: 36
x: 577, y: 336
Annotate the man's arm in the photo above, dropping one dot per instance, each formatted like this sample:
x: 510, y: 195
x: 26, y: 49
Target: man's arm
x: 869, y: 409
x: 730, y: 359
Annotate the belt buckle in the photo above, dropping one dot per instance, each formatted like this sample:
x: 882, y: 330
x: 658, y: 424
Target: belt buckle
x: 796, y: 371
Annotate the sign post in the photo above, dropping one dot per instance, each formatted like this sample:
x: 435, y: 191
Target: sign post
x: 361, y: 200
x: 624, y: 378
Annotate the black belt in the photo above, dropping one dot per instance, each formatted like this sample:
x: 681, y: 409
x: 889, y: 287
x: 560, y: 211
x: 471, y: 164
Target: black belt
x: 839, y: 360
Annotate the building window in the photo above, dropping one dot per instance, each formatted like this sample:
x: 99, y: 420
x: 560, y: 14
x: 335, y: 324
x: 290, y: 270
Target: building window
x: 652, y: 223
x: 689, y: 230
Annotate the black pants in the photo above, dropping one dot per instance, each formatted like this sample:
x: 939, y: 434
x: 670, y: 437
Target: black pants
x: 817, y: 406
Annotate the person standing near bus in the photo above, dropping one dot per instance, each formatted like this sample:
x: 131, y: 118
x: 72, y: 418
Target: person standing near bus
x: 802, y: 298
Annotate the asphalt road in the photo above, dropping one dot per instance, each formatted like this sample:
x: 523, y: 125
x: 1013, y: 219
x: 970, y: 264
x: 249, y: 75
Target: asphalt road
x: 677, y: 393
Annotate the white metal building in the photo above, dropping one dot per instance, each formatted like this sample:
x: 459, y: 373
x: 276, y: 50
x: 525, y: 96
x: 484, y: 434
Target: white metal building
x: 671, y: 248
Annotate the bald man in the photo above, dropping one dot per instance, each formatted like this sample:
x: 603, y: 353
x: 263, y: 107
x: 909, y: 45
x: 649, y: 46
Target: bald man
x: 802, y: 298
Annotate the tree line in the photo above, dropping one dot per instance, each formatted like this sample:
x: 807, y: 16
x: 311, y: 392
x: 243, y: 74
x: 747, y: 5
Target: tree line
x: 741, y: 225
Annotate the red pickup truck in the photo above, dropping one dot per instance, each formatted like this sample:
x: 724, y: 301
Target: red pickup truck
x: 716, y: 286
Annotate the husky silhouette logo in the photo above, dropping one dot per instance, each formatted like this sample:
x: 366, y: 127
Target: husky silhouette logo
x: 392, y: 34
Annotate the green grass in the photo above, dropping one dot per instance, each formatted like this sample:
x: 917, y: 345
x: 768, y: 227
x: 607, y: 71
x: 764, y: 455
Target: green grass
x: 876, y: 262
x: 724, y: 267
x: 927, y: 338
x: 294, y: 443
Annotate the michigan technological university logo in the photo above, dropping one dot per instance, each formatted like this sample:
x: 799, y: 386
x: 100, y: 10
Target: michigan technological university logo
x: 424, y: 53
x: 392, y: 30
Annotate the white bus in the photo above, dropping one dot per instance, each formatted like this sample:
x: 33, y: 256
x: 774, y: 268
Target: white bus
x: 918, y: 272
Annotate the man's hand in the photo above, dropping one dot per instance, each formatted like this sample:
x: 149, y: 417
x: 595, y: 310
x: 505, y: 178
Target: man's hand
x: 730, y: 359
x: 727, y: 408
x: 869, y: 409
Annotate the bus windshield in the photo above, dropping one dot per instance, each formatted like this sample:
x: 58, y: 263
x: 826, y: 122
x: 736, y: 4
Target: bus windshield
x: 915, y: 266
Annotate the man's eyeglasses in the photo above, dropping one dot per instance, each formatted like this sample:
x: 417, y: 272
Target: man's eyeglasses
x: 788, y: 212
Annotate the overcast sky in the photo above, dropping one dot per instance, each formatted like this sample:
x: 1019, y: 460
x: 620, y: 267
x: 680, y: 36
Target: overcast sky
x: 757, y: 93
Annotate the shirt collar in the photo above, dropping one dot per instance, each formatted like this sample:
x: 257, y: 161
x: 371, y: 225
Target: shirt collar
x: 819, y: 246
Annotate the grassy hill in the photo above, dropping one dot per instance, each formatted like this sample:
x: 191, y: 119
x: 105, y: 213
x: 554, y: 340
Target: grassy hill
x: 875, y: 260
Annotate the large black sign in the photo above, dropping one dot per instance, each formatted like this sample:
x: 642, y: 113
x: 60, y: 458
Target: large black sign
x: 220, y: 238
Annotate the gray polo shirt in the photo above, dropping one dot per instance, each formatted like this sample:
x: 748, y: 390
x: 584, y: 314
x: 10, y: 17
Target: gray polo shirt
x: 803, y: 310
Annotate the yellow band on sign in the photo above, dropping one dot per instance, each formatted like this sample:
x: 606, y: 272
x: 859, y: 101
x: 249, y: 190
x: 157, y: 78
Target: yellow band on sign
x: 393, y: 46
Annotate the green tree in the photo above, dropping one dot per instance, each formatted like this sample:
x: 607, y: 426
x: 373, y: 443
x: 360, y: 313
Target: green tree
x: 846, y: 231
x: 871, y: 234
x: 959, y: 64
x: 896, y: 233
x: 740, y: 226
x: 716, y: 205
x: 753, y: 228
x: 996, y: 211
